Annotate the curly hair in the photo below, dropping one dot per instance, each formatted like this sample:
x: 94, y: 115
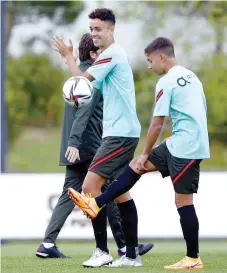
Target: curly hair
x: 161, y: 44
x: 85, y: 46
x: 103, y: 14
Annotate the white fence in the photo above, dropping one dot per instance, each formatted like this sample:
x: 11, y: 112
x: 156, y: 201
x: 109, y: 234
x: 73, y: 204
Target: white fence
x: 27, y: 201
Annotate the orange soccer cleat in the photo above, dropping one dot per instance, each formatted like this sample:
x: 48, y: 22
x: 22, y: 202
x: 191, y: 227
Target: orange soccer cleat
x: 85, y: 202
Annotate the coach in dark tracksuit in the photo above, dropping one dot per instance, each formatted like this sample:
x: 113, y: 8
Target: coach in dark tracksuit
x: 82, y: 129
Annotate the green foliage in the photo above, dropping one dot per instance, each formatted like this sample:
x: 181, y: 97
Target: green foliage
x: 145, y: 92
x: 17, y: 102
x: 59, y: 12
x: 212, y: 73
x: 62, y: 12
x: 33, y: 91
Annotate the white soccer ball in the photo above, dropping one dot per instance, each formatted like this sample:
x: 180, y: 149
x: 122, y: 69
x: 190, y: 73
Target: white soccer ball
x: 77, y: 91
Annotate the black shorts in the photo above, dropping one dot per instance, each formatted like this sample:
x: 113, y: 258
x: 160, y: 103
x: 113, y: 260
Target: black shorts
x: 184, y: 173
x: 113, y: 156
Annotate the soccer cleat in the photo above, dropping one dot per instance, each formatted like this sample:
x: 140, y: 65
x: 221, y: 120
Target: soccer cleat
x: 143, y: 249
x: 126, y: 262
x: 86, y: 203
x: 185, y: 264
x: 98, y: 258
x: 52, y: 252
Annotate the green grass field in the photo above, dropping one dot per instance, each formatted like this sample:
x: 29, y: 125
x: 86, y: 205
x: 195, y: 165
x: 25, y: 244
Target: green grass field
x: 18, y: 257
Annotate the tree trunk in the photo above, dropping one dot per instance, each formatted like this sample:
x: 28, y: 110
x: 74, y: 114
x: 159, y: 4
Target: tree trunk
x: 9, y: 24
x: 219, y: 32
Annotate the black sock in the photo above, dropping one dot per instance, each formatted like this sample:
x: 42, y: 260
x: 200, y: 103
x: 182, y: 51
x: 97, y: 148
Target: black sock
x: 129, y: 217
x: 99, y: 225
x: 190, y: 227
x: 120, y: 186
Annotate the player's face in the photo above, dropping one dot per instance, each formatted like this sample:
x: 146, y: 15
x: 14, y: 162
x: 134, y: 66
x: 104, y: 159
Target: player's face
x: 101, y: 32
x: 156, y: 63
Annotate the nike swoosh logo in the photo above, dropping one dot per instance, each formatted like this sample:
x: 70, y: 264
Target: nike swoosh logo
x: 191, y: 266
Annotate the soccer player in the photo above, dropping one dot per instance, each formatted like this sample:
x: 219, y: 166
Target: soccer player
x: 179, y: 93
x: 121, y: 129
x: 81, y: 137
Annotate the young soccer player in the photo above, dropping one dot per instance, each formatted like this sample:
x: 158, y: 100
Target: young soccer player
x: 81, y: 135
x: 179, y: 93
x: 121, y: 130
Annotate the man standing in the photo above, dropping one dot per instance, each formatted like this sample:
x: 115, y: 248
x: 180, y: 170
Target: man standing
x: 121, y: 130
x: 81, y: 137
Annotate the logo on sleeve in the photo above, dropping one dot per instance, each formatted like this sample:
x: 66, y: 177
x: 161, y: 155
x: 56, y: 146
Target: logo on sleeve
x: 160, y: 93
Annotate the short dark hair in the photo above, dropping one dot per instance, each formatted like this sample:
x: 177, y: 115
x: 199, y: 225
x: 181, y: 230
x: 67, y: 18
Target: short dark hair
x: 103, y: 14
x: 85, y: 46
x: 161, y: 44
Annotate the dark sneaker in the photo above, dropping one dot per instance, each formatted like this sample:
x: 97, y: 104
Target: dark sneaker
x: 52, y: 252
x: 143, y: 249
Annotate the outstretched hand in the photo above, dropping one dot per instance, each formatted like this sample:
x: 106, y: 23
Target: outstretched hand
x: 59, y: 46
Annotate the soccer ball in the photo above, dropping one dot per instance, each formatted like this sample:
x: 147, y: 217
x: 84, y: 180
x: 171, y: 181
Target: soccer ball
x: 77, y: 91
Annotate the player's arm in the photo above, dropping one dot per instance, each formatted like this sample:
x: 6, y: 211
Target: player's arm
x: 82, y: 117
x: 153, y: 134
x: 98, y: 71
x: 59, y: 46
x: 161, y: 110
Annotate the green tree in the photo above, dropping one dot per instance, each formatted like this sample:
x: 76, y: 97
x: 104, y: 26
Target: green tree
x: 215, y: 12
x: 212, y: 73
x: 59, y: 12
x: 17, y: 102
x: 34, y: 93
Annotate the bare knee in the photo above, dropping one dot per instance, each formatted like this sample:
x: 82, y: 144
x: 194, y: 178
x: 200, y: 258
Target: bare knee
x: 93, y: 189
x: 123, y: 198
x: 182, y: 200
x: 93, y: 184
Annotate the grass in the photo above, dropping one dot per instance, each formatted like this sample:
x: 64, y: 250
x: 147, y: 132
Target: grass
x: 37, y: 150
x: 18, y: 257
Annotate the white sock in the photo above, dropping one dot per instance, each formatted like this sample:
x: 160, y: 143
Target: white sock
x: 48, y: 245
x: 123, y: 249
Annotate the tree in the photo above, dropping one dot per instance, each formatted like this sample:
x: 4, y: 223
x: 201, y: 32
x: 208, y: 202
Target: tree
x: 59, y: 12
x: 215, y: 12
x: 34, y: 93
x: 155, y: 14
x: 212, y: 72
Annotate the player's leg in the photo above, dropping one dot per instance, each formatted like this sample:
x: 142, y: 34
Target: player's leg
x: 92, y: 185
x: 123, y: 150
x: 115, y: 221
x: 157, y: 160
x: 124, y: 183
x: 185, y: 178
x: 74, y: 177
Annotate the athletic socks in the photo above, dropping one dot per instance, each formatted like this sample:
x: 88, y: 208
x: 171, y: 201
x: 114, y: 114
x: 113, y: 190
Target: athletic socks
x: 129, y: 217
x: 190, y: 227
x: 48, y: 245
x: 120, y: 186
x: 99, y: 225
